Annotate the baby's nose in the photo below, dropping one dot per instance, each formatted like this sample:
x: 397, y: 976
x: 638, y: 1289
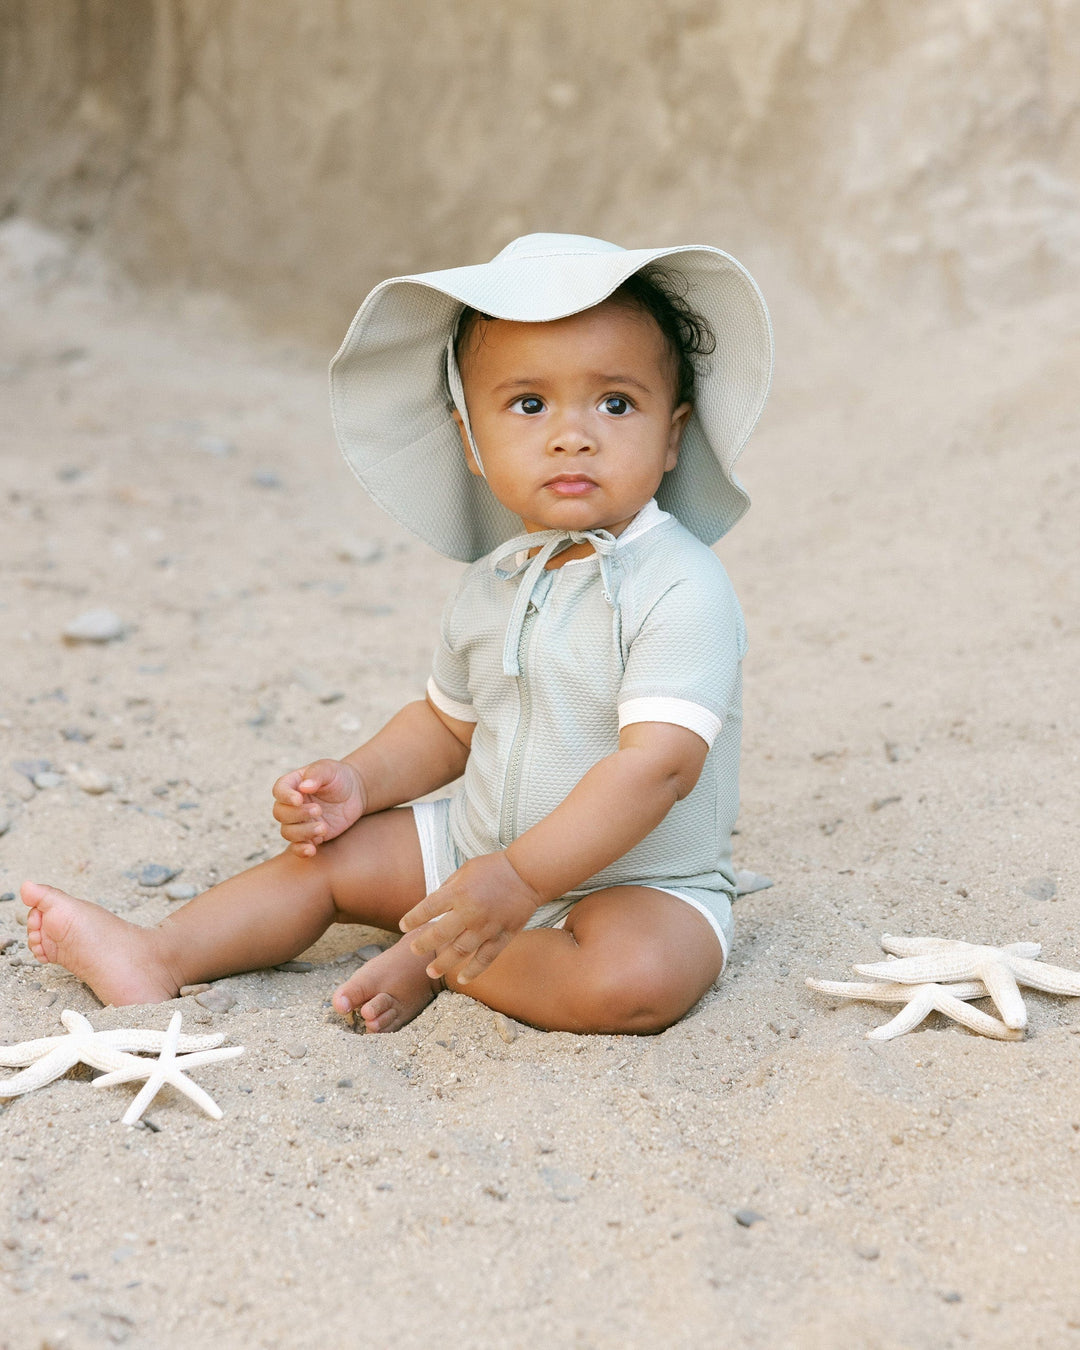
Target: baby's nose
x: 571, y: 438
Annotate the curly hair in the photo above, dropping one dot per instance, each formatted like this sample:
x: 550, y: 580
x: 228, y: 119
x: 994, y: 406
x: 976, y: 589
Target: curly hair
x: 662, y: 295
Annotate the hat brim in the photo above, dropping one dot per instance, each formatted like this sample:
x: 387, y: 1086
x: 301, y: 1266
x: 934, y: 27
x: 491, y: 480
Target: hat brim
x: 392, y: 415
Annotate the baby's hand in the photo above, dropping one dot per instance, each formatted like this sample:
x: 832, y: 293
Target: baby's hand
x: 470, y: 919
x: 318, y: 803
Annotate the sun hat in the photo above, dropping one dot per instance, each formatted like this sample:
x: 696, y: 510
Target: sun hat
x: 394, y: 378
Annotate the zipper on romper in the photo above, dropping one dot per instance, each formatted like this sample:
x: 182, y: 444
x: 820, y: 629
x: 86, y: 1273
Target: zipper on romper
x: 517, y: 750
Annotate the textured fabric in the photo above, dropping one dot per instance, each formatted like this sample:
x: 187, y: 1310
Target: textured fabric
x: 442, y: 858
x: 392, y: 407
x: 670, y: 629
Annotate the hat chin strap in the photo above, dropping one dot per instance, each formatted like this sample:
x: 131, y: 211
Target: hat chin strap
x: 457, y: 393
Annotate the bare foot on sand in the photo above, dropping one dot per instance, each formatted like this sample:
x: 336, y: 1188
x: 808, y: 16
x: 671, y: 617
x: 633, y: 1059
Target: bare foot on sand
x: 117, y: 959
x: 389, y: 991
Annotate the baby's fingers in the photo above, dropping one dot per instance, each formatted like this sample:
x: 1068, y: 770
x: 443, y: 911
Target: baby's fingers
x: 286, y: 789
x: 431, y: 907
x: 453, y: 953
x: 481, y: 959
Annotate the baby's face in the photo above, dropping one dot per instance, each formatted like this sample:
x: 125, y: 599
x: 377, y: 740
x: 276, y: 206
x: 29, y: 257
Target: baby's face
x: 574, y: 418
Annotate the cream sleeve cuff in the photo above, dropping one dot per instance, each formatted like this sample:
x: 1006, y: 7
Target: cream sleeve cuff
x: 680, y: 711
x: 463, y: 712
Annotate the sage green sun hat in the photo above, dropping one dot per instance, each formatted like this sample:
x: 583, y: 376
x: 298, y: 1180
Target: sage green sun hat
x: 394, y: 382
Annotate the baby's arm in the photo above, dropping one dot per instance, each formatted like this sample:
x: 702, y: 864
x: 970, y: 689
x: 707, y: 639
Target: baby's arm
x: 615, y: 805
x: 420, y: 749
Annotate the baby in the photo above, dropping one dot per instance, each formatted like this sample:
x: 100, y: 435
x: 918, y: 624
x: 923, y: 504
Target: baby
x: 586, y: 685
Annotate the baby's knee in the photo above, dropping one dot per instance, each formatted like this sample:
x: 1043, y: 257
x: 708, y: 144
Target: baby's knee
x: 638, y: 997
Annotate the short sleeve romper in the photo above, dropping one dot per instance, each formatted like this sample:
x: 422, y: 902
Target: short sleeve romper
x: 662, y: 641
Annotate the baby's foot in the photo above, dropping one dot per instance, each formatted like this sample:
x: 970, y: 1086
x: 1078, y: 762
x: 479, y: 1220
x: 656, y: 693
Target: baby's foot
x: 117, y: 959
x: 389, y: 991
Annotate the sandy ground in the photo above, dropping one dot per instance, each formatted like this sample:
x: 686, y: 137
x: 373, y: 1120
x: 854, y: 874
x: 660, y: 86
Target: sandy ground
x: 909, y: 574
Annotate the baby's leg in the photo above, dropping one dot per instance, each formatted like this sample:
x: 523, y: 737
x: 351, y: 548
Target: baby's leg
x: 630, y: 959
x: 373, y: 873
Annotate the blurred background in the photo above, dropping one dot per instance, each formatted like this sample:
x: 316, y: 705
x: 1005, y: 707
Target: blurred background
x: 921, y: 155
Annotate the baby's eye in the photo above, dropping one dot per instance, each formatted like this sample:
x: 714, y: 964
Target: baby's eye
x: 528, y: 404
x: 616, y: 405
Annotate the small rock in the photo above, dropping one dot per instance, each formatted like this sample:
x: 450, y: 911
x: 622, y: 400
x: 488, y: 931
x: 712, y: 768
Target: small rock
x: 314, y: 683
x: 747, y: 882
x: 746, y: 1218
x: 506, y: 1029
x: 216, y: 1000
x: 565, y: 1186
x: 358, y: 550
x: 30, y: 768
x: 882, y: 802
x: 95, y: 625
x: 7, y: 895
x: 264, y: 478
x: 215, y: 445
x: 296, y: 967
x: 190, y: 990
x: 7, y: 943
x: 51, y: 998
x: 181, y: 890
x: 155, y: 874
x: 75, y: 734
x: 953, y: 1296
x: 344, y: 1082
x: 1040, y: 888
x: 295, y: 1050
x: 370, y: 952
x: 48, y: 779
x: 92, y: 781
x: 5, y: 823
x: 866, y: 1251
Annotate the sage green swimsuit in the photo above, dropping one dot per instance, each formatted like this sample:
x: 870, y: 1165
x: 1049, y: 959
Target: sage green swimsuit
x: 550, y: 664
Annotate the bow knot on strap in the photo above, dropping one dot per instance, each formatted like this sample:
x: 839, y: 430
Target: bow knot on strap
x: 531, y: 570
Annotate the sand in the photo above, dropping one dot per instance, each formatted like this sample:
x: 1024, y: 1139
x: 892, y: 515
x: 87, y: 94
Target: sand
x: 909, y: 574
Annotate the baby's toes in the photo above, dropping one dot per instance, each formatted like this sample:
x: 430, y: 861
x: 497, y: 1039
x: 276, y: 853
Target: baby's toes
x: 380, y: 1013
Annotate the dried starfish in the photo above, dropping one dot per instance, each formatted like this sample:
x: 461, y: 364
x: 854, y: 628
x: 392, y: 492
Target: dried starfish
x: 1001, y: 969
x: 167, y: 1068
x: 51, y: 1056
x: 921, y: 1000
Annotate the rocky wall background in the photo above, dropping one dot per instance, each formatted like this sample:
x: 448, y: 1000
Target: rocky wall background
x: 920, y: 153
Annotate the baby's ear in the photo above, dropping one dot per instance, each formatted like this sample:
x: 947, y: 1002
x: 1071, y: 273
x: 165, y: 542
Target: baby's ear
x: 679, y: 419
x: 470, y: 458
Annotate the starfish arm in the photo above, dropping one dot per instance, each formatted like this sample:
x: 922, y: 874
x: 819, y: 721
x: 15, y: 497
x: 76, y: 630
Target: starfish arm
x: 146, y: 1095
x: 151, y: 1042
x: 75, y: 1021
x: 42, y: 1071
x: 920, y: 1003
x: 201, y: 1057
x: 946, y: 963
x: 880, y: 992
x: 1050, y: 979
x: 914, y: 946
x: 29, y: 1052
x: 141, y: 1068
x: 972, y: 1018
x: 1028, y: 950
x: 1001, y: 986
x: 197, y: 1094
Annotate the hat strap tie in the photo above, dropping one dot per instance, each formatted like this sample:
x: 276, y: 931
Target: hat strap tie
x: 532, y: 570
x: 457, y: 393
